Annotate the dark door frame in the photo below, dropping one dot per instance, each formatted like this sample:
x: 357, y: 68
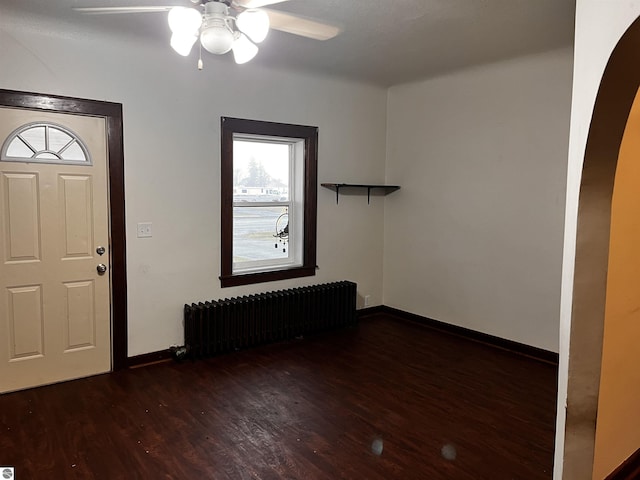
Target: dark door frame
x: 112, y: 113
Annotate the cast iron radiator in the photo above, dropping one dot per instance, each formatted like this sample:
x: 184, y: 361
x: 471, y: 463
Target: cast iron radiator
x: 241, y: 322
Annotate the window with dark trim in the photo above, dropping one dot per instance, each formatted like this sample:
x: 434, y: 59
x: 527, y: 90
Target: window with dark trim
x: 269, y: 201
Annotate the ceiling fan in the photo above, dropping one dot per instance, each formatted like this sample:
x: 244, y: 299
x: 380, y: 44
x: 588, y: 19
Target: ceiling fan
x: 226, y: 25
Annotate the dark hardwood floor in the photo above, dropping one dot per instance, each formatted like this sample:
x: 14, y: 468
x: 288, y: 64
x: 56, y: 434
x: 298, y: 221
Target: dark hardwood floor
x: 439, y: 406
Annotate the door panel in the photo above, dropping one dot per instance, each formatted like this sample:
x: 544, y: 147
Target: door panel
x: 80, y: 326
x: 55, y: 319
x: 26, y: 327
x: 21, y: 216
x: 76, y: 213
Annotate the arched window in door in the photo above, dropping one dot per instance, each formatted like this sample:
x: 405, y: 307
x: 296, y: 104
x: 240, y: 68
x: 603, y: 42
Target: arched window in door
x: 44, y: 143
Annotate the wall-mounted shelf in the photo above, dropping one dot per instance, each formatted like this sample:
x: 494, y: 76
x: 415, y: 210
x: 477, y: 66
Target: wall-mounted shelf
x: 337, y: 186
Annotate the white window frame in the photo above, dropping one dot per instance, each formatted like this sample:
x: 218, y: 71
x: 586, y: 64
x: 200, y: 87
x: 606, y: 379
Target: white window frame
x: 294, y: 206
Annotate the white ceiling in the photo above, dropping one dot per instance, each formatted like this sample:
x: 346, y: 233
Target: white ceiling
x: 384, y: 42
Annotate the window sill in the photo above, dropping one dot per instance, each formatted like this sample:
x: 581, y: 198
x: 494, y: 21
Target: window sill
x: 270, y: 276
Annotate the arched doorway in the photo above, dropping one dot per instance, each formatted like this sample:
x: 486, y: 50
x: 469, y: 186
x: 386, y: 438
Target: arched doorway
x: 613, y: 103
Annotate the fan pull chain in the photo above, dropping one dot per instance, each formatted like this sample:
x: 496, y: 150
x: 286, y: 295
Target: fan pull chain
x: 200, y: 64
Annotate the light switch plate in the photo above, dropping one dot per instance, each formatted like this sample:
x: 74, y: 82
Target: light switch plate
x: 144, y: 230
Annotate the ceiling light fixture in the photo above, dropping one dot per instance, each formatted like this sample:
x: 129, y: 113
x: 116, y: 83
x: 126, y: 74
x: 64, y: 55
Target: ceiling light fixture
x: 219, y: 32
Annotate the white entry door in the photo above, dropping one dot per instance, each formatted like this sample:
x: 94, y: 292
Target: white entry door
x: 55, y: 321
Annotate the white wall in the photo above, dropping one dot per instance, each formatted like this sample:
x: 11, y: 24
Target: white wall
x: 599, y: 26
x: 172, y: 158
x: 474, y: 237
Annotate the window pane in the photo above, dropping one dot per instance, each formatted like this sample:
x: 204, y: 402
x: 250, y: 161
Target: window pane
x: 58, y: 139
x: 18, y: 149
x: 35, y: 137
x: 46, y: 156
x: 260, y: 171
x: 260, y: 233
x: 74, y: 152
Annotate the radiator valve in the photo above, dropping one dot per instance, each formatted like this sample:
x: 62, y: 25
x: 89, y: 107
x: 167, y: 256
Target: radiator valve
x: 179, y: 352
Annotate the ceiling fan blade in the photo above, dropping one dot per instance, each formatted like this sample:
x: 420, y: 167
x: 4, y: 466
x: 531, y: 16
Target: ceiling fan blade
x: 110, y: 10
x: 287, y: 22
x: 256, y: 3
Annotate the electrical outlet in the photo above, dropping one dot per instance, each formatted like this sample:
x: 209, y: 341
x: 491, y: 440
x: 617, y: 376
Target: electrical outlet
x: 144, y: 230
x: 367, y: 300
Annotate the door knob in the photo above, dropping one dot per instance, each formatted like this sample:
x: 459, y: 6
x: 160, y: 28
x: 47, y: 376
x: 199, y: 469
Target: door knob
x: 100, y: 250
x: 101, y: 268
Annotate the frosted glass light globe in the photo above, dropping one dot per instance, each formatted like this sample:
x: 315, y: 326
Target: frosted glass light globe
x: 254, y: 24
x: 184, y: 20
x: 243, y: 49
x: 182, y: 43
